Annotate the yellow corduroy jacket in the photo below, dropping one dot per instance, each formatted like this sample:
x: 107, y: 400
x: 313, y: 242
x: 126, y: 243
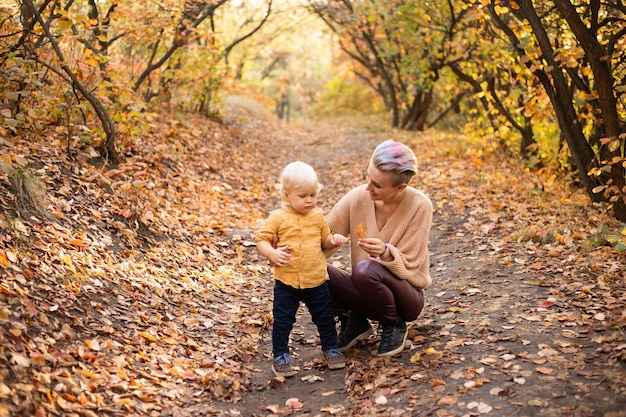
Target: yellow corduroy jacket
x: 303, y: 234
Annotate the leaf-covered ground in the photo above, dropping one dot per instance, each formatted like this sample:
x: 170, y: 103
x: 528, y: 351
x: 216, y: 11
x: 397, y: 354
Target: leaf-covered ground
x: 136, y: 290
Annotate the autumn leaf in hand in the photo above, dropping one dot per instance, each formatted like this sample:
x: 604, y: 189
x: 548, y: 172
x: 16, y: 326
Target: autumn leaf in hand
x: 361, y: 231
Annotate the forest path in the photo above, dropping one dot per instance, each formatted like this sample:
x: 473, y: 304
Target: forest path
x: 504, y: 332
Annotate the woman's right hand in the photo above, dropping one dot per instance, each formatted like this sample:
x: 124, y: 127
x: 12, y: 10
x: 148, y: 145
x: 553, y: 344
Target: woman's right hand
x: 372, y: 246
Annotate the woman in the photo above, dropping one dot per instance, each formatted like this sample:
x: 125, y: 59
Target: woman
x: 388, y: 222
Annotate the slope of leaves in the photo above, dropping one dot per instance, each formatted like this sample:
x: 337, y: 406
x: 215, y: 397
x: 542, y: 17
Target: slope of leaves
x: 126, y: 286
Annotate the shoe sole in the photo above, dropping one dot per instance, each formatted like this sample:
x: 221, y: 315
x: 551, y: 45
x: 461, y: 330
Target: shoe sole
x: 354, y: 341
x: 285, y: 374
x: 398, y: 349
x: 337, y: 366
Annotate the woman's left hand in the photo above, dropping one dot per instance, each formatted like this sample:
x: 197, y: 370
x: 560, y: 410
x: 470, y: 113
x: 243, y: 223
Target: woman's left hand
x: 373, y: 246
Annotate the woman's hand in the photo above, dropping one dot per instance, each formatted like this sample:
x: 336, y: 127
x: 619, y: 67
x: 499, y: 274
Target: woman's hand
x: 373, y: 246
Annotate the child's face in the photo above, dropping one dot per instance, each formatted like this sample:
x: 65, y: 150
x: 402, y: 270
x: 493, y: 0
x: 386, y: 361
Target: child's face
x: 302, y: 198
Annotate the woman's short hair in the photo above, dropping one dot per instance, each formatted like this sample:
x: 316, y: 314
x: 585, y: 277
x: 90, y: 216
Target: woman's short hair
x: 397, y: 158
x: 297, y: 174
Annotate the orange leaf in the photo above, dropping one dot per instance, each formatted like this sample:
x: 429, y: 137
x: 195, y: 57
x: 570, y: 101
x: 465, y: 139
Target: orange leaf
x: 78, y: 243
x: 3, y: 260
x: 361, y: 231
x: 69, y: 397
x: 148, y: 336
x: 438, y: 382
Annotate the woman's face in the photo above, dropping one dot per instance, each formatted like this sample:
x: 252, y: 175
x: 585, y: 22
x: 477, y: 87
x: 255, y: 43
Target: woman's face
x: 379, y: 184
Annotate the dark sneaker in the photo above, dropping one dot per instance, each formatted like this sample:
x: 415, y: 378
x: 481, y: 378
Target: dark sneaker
x: 393, y: 338
x: 284, y: 366
x: 334, y: 359
x: 353, y: 328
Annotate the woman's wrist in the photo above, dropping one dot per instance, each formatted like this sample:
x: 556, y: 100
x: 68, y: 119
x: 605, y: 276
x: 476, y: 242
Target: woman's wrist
x: 383, y: 252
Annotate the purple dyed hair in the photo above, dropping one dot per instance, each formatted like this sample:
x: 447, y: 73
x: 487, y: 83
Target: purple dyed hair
x: 397, y: 158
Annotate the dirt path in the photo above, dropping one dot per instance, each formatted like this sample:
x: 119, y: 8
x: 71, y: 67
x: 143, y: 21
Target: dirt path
x: 493, y: 339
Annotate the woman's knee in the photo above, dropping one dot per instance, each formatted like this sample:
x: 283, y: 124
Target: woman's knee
x: 363, y: 271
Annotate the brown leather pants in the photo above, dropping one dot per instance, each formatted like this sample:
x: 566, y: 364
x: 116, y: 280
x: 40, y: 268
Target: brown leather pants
x: 374, y: 292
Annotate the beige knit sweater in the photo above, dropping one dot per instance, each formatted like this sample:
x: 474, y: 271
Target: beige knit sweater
x: 406, y: 232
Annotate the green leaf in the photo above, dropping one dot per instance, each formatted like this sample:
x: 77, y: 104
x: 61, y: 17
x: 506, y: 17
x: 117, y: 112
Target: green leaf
x: 65, y: 23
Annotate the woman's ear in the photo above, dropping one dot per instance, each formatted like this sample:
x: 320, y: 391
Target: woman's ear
x: 401, y: 187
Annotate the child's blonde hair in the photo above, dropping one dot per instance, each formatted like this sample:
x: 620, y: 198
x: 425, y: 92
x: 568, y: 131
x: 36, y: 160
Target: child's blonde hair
x: 296, y: 174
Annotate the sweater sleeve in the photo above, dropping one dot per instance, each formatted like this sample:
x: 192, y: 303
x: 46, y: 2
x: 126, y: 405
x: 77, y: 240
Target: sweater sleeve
x: 339, y: 216
x: 338, y: 220
x: 408, y: 256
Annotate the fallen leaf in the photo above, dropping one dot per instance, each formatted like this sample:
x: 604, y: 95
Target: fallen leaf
x: 311, y: 378
x: 148, y: 336
x: 4, y: 261
x: 481, y: 407
x: 294, y: 403
x: 545, y: 371
x: 380, y: 400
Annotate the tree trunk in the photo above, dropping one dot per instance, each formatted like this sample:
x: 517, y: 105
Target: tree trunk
x: 562, y: 101
x: 607, y: 122
x: 417, y: 113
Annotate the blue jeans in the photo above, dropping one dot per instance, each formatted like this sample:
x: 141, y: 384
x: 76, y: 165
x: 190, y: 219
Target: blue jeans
x: 286, y: 302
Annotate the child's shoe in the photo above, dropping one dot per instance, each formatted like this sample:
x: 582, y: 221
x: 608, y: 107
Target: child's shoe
x: 285, y: 366
x: 334, y: 359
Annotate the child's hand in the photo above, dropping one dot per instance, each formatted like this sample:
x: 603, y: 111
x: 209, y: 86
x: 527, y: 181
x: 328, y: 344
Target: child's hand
x: 280, y: 256
x: 337, y: 240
